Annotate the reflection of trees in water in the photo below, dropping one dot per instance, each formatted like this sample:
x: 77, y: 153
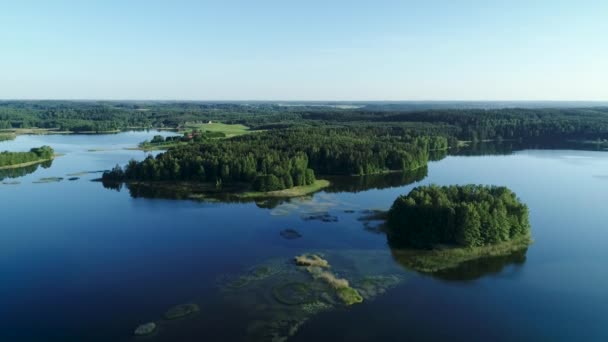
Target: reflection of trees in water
x: 23, y: 171
x: 507, y: 147
x: 185, y: 192
x: 380, y: 181
x: 472, y: 269
x: 206, y: 192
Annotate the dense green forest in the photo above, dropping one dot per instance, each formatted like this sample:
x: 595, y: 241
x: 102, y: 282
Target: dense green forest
x: 469, y: 216
x: 475, y: 121
x: 292, y: 142
x: 285, y: 158
x: 35, y: 154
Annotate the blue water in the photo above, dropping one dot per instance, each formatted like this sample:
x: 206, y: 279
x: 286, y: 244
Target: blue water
x: 83, y: 263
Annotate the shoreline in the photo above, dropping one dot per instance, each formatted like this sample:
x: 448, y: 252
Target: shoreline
x: 440, y: 259
x: 17, y: 166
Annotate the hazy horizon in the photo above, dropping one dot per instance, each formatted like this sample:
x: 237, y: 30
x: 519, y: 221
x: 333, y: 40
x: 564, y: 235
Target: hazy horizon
x: 274, y: 51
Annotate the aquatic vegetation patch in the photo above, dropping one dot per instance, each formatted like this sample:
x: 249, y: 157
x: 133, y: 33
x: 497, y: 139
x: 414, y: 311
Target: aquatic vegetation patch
x: 180, y: 311
x: 290, y: 234
x: 323, y: 217
x: 11, y: 183
x: 48, y: 180
x: 145, y: 329
x: 311, y: 260
x: 279, y: 305
x: 294, y: 293
x: 82, y: 173
x: 349, y: 295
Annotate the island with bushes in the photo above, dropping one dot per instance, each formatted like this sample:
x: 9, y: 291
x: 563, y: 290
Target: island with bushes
x: 438, y: 227
x: 36, y: 155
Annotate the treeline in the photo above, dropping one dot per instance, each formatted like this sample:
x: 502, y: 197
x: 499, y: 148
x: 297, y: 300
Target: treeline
x: 285, y: 158
x: 35, y: 154
x: 471, y: 216
x: 464, y: 121
x: 486, y: 124
x: 192, y: 136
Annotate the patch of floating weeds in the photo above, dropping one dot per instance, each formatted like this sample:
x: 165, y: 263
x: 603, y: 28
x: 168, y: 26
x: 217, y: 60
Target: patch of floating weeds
x: 262, y: 272
x: 181, y: 311
x: 311, y: 260
x: 349, y: 295
x: 323, y: 217
x: 290, y: 234
x: 145, y: 329
x: 48, y: 180
x: 11, y: 183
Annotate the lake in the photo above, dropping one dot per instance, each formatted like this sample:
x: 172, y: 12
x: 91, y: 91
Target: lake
x: 80, y: 262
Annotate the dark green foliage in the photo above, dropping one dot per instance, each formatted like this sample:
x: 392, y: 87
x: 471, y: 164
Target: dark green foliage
x: 455, y: 120
x: 282, y: 159
x: 35, y: 154
x: 470, y: 216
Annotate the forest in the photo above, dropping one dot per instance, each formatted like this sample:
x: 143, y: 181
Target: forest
x: 285, y: 158
x: 292, y: 143
x: 17, y: 158
x: 466, y: 216
x: 474, y: 121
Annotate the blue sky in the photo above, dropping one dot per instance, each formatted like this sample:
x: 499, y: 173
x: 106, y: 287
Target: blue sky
x: 304, y: 50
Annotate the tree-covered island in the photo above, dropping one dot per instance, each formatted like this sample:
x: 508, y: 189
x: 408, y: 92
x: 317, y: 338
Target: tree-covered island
x: 434, y: 228
x: 21, y: 159
x: 283, y: 159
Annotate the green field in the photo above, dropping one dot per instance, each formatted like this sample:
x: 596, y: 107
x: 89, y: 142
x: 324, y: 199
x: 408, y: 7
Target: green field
x: 231, y: 130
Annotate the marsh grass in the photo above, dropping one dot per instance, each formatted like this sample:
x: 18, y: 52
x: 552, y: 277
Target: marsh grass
x: 446, y: 257
x: 296, y: 191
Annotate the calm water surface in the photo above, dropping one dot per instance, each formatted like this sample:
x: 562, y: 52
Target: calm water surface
x: 80, y: 262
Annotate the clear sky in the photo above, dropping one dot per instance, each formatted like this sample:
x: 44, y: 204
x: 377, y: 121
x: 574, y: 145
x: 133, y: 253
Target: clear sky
x: 304, y: 50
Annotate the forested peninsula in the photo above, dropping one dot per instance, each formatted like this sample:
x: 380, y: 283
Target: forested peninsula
x: 282, y: 159
x: 21, y: 159
x: 435, y: 227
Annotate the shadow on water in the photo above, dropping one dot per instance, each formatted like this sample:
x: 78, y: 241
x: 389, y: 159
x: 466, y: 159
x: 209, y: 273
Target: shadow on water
x: 23, y: 171
x: 371, y: 182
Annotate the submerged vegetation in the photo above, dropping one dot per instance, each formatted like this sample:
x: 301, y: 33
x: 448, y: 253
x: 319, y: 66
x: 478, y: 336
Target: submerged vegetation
x: 7, y: 136
x: 21, y: 159
x: 280, y: 302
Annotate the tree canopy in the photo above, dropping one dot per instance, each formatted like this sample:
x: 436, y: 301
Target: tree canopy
x: 35, y: 154
x: 470, y: 216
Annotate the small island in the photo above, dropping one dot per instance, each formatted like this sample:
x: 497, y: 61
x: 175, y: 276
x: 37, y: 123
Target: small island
x: 36, y: 155
x: 439, y: 227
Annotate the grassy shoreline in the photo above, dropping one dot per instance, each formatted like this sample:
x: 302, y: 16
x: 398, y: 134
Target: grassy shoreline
x: 16, y: 166
x: 205, y: 191
x: 431, y: 261
x: 295, y: 191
